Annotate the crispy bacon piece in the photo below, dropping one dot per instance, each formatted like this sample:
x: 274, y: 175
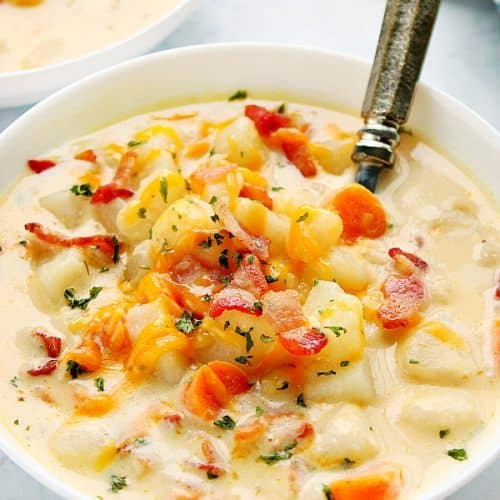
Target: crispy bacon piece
x: 234, y: 299
x: 497, y: 292
x: 87, y: 155
x: 120, y: 186
x: 109, y: 192
x: 108, y: 245
x: 283, y: 310
x: 303, y: 341
x: 51, y: 343
x: 45, y: 369
x: 39, y: 166
x: 295, y: 145
x: 257, y: 245
x: 266, y: 122
x: 256, y: 193
x: 404, y: 297
x: 395, y: 253
x: 250, y: 277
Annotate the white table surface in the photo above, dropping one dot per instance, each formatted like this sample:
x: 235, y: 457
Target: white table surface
x: 463, y: 60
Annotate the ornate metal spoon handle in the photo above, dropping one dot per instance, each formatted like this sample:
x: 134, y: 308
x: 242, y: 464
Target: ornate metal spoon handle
x: 402, y: 45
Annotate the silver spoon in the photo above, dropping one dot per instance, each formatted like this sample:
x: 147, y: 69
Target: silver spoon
x: 404, y: 37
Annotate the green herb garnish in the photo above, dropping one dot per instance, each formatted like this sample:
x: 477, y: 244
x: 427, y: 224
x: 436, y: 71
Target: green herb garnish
x: 239, y: 94
x: 74, y: 369
x: 276, y: 456
x: 186, y: 324
x: 226, y: 423
x: 118, y: 483
x: 303, y: 217
x: 300, y: 400
x: 164, y: 189
x: 82, y: 190
x: 458, y: 454
x: 248, y: 337
x: 284, y: 385
x: 99, y: 383
x: 74, y: 303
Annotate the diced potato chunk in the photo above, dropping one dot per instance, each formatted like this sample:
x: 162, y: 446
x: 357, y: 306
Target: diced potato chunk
x: 257, y: 219
x: 313, y: 232
x: 431, y: 409
x: 139, y: 262
x: 137, y: 217
x: 241, y: 143
x: 65, y: 270
x: 81, y: 445
x: 171, y: 367
x: 288, y: 200
x: 352, y: 383
x: 139, y: 316
x: 349, y: 271
x: 434, y: 354
x: 66, y: 206
x: 340, y: 317
x: 334, y: 155
x: 214, y: 342
x: 342, y: 432
x: 179, y: 224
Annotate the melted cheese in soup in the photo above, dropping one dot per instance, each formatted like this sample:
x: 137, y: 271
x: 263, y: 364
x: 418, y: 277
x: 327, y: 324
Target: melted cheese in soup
x: 199, y: 303
x: 38, y: 33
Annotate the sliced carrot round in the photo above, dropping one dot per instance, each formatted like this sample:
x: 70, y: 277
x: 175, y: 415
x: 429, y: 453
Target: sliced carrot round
x: 234, y: 378
x: 361, y: 212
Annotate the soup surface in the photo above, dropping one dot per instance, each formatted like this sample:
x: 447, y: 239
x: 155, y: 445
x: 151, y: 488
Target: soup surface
x: 199, y: 303
x: 36, y: 33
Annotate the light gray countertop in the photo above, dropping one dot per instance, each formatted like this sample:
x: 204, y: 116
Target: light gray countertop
x: 463, y: 60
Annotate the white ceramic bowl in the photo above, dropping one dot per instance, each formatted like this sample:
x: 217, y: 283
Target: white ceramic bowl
x: 28, y: 86
x: 213, y: 71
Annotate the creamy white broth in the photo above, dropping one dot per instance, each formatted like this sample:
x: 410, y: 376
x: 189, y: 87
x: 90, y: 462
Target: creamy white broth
x: 56, y: 30
x: 434, y: 210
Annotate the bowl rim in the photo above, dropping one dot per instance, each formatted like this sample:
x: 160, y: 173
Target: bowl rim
x: 81, y: 59
x: 15, y: 450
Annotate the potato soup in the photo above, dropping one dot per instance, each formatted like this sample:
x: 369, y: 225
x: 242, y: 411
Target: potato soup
x: 36, y: 33
x: 200, y: 303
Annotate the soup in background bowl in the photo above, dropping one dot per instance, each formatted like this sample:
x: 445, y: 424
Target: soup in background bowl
x: 200, y: 296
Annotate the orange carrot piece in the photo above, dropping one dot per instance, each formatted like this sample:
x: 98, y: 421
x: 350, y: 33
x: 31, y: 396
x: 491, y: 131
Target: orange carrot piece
x: 95, y: 406
x: 382, y: 486
x: 205, y: 395
x: 361, y: 212
x: 212, y: 386
x: 87, y: 155
x: 234, y: 378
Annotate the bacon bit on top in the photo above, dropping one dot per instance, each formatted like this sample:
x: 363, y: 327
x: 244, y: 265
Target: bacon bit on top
x: 256, y: 193
x: 39, y: 166
x: 257, y: 245
x: 87, y: 155
x: 395, y: 253
x: 234, y: 299
x: 295, y: 146
x: 404, y: 296
x: 303, y: 341
x: 266, y: 122
x: 46, y: 369
x: 250, y: 277
x: 283, y: 310
x: 51, y: 343
x: 108, y: 245
x: 120, y: 186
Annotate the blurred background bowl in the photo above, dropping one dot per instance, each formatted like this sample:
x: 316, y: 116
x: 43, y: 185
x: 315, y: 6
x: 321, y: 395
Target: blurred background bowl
x: 28, y: 86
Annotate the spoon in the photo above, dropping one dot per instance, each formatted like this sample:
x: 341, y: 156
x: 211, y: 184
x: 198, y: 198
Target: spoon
x: 402, y: 45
